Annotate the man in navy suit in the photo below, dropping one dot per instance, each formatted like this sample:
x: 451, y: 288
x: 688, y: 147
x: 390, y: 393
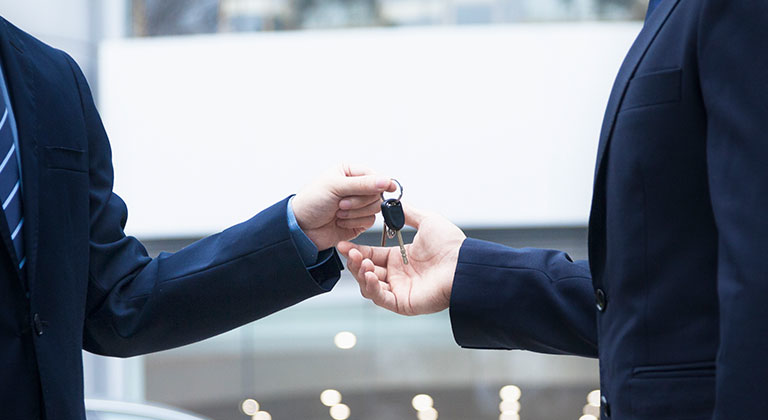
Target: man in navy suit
x: 674, y: 298
x: 70, y: 279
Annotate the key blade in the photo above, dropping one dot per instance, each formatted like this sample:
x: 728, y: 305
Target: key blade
x: 402, y: 248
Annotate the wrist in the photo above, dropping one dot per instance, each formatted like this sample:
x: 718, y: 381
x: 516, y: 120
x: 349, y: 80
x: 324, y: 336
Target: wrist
x: 306, y: 247
x: 297, y: 204
x: 452, y: 264
x: 319, y: 240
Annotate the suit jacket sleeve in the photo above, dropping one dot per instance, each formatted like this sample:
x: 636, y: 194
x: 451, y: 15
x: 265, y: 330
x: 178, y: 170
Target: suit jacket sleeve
x: 137, y: 304
x: 532, y: 299
x: 733, y: 60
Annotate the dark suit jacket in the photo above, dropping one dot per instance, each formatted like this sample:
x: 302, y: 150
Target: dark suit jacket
x: 88, y: 286
x: 678, y: 232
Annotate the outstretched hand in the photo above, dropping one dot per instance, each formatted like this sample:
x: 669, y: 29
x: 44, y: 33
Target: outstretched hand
x: 423, y: 285
x: 340, y: 205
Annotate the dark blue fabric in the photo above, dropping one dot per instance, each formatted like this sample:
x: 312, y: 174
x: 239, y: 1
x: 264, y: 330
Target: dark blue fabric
x: 92, y: 287
x: 651, y: 7
x: 677, y: 233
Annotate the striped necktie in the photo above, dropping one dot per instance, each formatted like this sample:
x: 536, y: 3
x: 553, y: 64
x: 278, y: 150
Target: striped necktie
x: 10, y: 183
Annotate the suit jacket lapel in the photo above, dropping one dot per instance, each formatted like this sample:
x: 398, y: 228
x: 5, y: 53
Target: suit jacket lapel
x: 652, y: 26
x: 19, y: 77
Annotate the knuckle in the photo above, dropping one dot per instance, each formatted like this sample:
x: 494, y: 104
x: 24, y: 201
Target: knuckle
x: 365, y: 183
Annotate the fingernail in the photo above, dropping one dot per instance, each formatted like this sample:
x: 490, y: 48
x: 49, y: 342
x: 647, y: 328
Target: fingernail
x: 342, y: 213
x: 383, y: 183
x: 345, y: 204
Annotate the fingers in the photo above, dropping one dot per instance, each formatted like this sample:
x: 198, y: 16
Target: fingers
x: 354, y: 257
x: 356, y: 223
x: 384, y: 298
x: 358, y: 267
x: 362, y: 185
x: 378, y: 255
x: 345, y: 247
x: 413, y: 216
x: 358, y: 202
x: 367, y: 288
x: 367, y: 210
x: 357, y: 264
x: 381, y: 272
x: 370, y: 277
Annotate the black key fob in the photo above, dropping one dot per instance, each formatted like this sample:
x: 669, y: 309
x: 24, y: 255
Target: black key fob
x: 394, y: 217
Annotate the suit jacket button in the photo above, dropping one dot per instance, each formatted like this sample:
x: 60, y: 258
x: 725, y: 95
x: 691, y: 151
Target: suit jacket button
x: 600, y: 300
x: 605, y: 407
x: 37, y: 323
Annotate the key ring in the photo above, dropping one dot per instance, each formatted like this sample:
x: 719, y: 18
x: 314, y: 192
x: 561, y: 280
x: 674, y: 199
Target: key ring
x: 399, y: 186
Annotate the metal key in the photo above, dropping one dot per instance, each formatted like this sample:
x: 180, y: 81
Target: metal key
x: 394, y: 221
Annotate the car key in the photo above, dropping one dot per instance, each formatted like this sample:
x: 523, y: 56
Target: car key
x: 394, y: 221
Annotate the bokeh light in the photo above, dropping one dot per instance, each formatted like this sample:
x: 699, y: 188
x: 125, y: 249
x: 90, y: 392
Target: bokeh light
x: 509, y: 406
x: 510, y: 392
x: 427, y: 414
x: 591, y: 410
x: 330, y: 397
x: 249, y: 407
x: 262, y: 415
x: 340, y: 412
x: 422, y: 402
x: 593, y: 398
x: 345, y: 340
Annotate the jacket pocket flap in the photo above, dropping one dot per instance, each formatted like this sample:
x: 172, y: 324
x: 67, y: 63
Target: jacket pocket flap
x: 673, y: 398
x: 679, y: 370
x: 57, y: 157
x: 653, y: 89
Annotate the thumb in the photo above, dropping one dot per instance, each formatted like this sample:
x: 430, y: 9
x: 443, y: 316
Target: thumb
x: 414, y: 216
x: 361, y: 185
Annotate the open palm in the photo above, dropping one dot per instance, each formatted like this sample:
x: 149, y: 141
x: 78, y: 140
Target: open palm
x: 424, y: 284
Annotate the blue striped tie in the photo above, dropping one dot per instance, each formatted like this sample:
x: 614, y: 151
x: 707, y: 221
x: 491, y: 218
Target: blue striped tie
x: 10, y: 184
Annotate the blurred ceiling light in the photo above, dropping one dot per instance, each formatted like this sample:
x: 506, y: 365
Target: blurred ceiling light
x: 428, y: 414
x: 510, y: 392
x: 262, y: 415
x: 509, y: 416
x: 588, y: 417
x: 594, y: 398
x: 422, y: 402
x: 345, y: 340
x: 249, y: 407
x: 340, y: 412
x: 330, y: 397
x: 509, y: 406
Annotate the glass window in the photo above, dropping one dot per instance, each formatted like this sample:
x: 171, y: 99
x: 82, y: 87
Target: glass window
x: 338, y: 349
x: 179, y: 17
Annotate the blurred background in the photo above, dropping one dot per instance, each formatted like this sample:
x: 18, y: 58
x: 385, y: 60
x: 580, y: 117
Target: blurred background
x: 487, y: 111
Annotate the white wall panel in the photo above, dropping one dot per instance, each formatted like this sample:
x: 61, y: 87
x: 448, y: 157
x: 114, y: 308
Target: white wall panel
x: 492, y: 126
